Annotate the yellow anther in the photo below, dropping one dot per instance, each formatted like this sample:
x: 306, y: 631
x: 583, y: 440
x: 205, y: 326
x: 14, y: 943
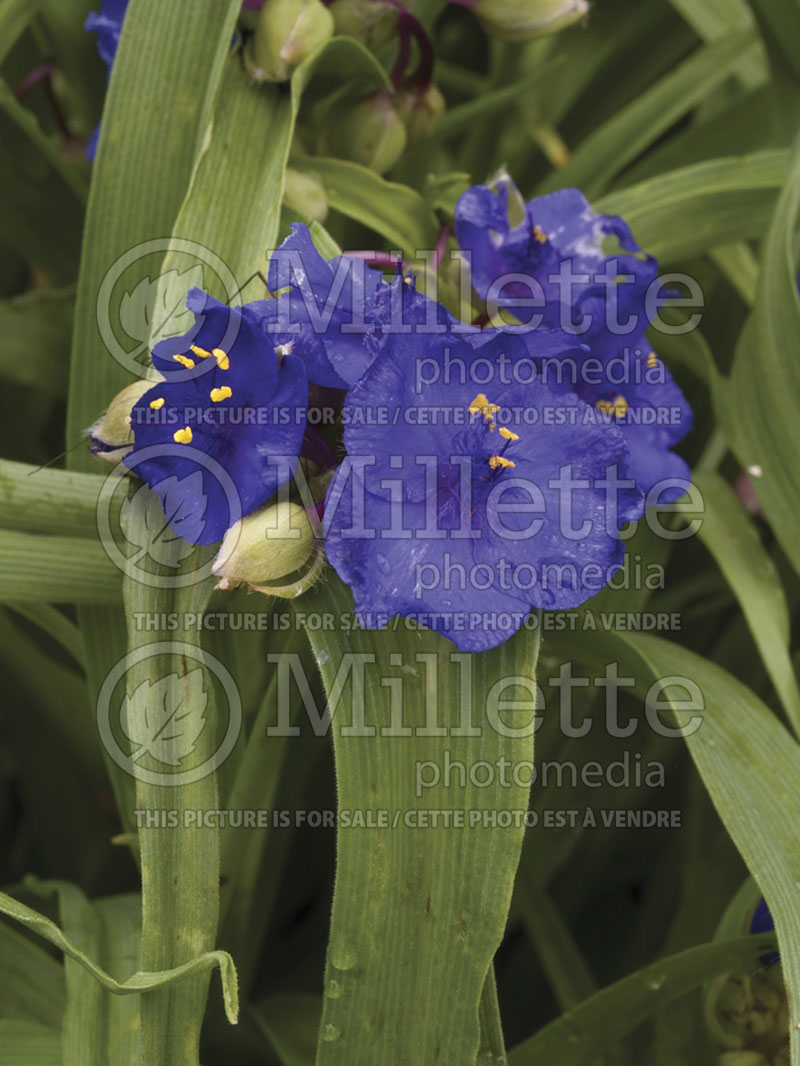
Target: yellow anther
x: 481, y: 406
x: 652, y: 360
x: 619, y: 408
x: 500, y: 460
x: 222, y: 359
x: 539, y: 234
x: 220, y: 394
x: 201, y: 353
x: 184, y: 360
x: 182, y: 436
x: 508, y: 434
x: 157, y: 404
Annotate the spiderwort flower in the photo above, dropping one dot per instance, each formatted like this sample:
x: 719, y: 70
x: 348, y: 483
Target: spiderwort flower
x: 233, y: 405
x: 336, y: 314
x: 467, y: 497
x: 557, y: 256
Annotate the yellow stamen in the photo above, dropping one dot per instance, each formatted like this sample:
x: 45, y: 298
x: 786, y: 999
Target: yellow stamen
x: 500, y: 460
x: 619, y: 408
x: 508, y: 434
x: 201, y: 353
x: 480, y: 405
x: 184, y: 360
x: 156, y: 404
x: 652, y: 361
x: 220, y: 394
x: 540, y: 236
x: 222, y: 359
x: 182, y: 436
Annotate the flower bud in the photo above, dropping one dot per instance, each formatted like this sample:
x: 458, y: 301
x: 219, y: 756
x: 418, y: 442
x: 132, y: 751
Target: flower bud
x: 304, y: 193
x: 111, y: 437
x: 273, y: 541
x: 370, y: 21
x: 420, y: 109
x: 368, y: 131
x: 286, y: 33
x: 525, y: 19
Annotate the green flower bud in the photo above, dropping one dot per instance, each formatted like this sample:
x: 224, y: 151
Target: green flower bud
x: 111, y: 437
x: 286, y: 33
x: 273, y: 541
x: 369, y: 21
x: 368, y: 131
x: 420, y: 109
x: 524, y: 19
x: 306, y: 194
x: 746, y: 1012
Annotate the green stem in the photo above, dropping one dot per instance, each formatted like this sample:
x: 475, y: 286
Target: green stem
x: 180, y: 864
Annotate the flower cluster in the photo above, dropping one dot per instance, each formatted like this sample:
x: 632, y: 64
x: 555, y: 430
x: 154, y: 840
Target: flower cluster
x: 591, y: 279
x: 465, y: 472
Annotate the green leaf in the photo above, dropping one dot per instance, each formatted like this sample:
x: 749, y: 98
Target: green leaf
x: 690, y: 211
x: 43, y: 500
x: 47, y: 195
x: 396, y: 212
x: 583, y: 1033
x: 618, y: 141
x: 419, y: 909
x: 163, y: 85
x: 56, y: 570
x: 74, y: 910
x: 81, y: 73
x: 15, y: 15
x: 750, y: 765
x: 36, y: 331
x: 713, y: 19
x: 783, y: 19
x: 33, y: 982
x: 762, y: 423
x: 28, y: 1044
x: 731, y: 537
x: 162, y: 89
x: 748, y: 761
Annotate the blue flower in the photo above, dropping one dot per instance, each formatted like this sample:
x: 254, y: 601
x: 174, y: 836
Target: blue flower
x: 762, y: 922
x: 470, y: 494
x: 337, y: 313
x: 222, y: 432
x: 107, y: 24
x: 566, y: 257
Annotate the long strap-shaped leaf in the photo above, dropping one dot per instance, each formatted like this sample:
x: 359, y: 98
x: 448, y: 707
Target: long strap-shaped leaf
x: 696, y: 208
x: 137, y: 982
x: 730, y: 536
x: 584, y: 1032
x: 165, y: 78
x: 749, y: 763
x: 232, y: 206
x: 763, y: 425
x: 424, y: 886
